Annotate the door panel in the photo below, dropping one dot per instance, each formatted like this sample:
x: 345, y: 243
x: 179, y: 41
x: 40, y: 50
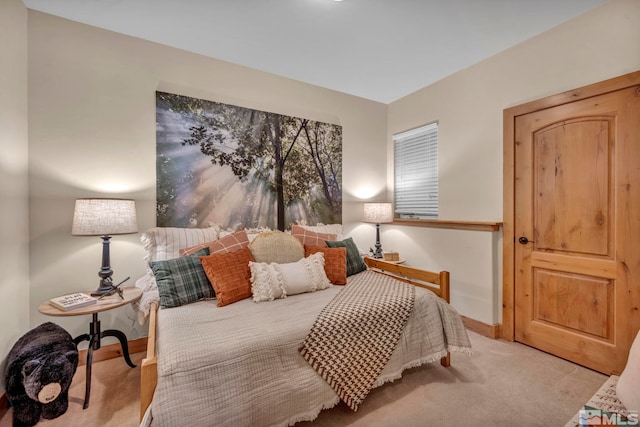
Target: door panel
x: 574, y: 302
x: 573, y: 159
x: 577, y: 201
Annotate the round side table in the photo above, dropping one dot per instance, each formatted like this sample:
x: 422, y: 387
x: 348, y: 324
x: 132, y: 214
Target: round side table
x: 129, y: 295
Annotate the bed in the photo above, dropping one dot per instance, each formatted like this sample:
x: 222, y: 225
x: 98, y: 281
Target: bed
x: 241, y: 364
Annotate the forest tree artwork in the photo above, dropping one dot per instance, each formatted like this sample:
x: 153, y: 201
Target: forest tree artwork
x: 220, y: 163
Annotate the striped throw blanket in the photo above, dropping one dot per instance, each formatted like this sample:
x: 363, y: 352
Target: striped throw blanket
x: 355, y: 334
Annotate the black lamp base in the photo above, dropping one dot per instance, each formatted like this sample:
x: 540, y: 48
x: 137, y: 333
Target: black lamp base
x: 378, y: 252
x: 106, y: 283
x: 104, y: 289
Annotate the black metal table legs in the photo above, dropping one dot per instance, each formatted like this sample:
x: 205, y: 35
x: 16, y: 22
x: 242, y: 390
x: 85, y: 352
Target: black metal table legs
x: 94, y: 336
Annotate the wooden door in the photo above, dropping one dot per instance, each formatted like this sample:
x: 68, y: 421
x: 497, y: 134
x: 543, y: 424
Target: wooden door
x: 577, y: 228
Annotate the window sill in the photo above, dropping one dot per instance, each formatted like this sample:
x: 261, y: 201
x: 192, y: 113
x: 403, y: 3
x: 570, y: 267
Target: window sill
x: 457, y: 225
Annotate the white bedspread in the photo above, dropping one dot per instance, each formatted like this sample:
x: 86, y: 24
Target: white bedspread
x: 239, y: 365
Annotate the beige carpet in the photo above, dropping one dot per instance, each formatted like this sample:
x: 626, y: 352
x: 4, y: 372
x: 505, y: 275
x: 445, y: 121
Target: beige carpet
x: 502, y: 384
x: 114, y: 397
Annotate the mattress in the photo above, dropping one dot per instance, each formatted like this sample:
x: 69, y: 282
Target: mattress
x: 239, y: 365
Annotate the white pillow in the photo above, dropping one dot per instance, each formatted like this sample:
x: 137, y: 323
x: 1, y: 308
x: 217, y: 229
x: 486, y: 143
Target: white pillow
x: 252, y: 233
x: 163, y: 243
x: 336, y: 229
x: 149, y: 294
x: 272, y: 281
x: 628, y: 387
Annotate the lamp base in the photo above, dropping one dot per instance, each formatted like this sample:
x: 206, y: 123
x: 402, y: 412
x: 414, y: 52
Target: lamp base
x: 105, y: 273
x: 105, y: 288
x: 378, y: 252
x: 103, y: 292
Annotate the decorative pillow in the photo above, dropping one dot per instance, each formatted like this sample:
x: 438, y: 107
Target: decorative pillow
x: 254, y: 232
x: 276, y: 246
x: 229, y: 243
x: 355, y: 263
x: 182, y: 280
x: 162, y: 243
x: 150, y: 293
x: 628, y: 387
x: 335, y: 262
x: 308, y: 237
x: 336, y: 229
x: 229, y: 274
x: 271, y: 281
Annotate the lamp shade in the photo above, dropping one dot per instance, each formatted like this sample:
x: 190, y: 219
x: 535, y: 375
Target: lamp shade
x: 104, y: 217
x: 378, y: 213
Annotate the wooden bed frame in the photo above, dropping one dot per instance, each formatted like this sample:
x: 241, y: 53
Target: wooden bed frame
x: 437, y: 283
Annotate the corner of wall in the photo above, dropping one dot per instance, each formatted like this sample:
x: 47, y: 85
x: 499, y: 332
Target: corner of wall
x: 14, y: 196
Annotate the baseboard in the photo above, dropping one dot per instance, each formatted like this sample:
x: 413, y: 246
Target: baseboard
x: 112, y: 351
x: 489, y: 331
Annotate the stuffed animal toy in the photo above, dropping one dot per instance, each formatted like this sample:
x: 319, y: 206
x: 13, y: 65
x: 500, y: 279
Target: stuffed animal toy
x: 40, y: 368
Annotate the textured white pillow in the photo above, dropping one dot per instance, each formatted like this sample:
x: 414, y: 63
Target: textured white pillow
x: 163, y: 243
x: 149, y: 294
x: 272, y: 281
x: 628, y: 387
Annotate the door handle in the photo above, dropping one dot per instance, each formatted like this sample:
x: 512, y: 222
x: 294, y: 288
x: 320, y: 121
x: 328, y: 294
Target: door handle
x: 523, y: 240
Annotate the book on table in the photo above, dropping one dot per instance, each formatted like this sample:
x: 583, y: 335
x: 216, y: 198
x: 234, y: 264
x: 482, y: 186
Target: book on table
x: 72, y: 301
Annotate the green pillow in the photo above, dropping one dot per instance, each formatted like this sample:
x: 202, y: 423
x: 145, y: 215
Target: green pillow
x: 355, y: 263
x: 182, y: 280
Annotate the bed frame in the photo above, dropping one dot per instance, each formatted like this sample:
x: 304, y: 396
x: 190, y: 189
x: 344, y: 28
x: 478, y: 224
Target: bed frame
x: 437, y: 283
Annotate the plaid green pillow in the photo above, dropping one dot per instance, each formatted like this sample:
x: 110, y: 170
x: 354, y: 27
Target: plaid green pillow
x: 182, y: 280
x: 355, y: 263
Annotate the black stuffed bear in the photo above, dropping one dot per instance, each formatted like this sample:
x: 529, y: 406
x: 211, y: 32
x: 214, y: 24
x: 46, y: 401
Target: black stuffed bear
x: 40, y: 368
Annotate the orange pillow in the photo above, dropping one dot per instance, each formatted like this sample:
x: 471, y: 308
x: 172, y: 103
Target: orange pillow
x: 230, y: 243
x: 311, y: 238
x: 229, y: 274
x: 335, y: 262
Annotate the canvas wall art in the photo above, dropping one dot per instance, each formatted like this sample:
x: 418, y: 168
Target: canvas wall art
x: 220, y: 163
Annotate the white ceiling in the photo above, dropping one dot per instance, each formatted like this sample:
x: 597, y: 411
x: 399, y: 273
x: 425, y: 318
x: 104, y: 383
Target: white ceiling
x: 376, y: 49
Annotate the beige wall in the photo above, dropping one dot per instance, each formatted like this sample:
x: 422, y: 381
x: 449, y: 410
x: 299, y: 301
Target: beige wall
x: 14, y: 232
x: 92, y: 133
x: 598, y: 45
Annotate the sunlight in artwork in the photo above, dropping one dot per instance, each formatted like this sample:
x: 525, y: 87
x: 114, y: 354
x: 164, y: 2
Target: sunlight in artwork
x: 232, y: 165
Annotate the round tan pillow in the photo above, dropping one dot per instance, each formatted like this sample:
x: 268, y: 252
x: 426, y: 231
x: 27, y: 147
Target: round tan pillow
x: 276, y: 246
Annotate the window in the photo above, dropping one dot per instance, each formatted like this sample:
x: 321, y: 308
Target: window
x: 416, y: 172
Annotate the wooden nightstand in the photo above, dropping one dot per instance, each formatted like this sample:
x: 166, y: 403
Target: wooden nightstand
x: 130, y: 294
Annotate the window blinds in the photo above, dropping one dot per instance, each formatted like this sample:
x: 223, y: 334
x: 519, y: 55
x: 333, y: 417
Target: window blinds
x: 416, y: 172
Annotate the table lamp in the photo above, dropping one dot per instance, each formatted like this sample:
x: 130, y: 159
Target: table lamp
x: 105, y: 218
x: 378, y: 213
